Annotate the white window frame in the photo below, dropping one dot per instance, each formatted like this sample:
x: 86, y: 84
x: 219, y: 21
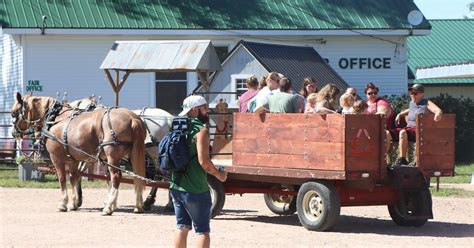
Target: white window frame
x: 233, y: 84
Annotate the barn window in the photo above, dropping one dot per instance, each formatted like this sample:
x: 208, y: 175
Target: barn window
x: 238, y: 84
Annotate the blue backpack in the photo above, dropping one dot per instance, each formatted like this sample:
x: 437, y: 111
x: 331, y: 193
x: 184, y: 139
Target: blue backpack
x: 173, y: 149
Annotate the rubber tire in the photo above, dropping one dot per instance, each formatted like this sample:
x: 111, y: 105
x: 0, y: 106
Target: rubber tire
x: 217, y: 195
x: 424, y: 200
x: 287, y: 208
x: 329, y: 203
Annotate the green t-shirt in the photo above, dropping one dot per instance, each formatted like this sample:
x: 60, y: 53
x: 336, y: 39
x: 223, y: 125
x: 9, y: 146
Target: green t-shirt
x: 282, y: 102
x: 194, y: 180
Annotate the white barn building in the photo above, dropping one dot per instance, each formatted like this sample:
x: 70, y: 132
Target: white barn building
x: 56, y: 46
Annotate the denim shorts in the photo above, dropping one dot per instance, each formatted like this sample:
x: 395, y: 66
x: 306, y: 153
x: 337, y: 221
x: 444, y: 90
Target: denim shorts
x: 194, y: 209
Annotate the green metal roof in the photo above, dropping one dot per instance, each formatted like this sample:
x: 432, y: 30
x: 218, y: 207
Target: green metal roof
x: 209, y: 14
x: 450, y: 41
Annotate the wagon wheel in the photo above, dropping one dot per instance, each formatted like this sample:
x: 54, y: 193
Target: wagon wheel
x: 413, y: 209
x: 318, y: 205
x: 281, y: 204
x: 217, y: 195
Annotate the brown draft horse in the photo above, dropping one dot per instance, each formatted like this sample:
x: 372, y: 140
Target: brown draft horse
x: 120, y: 131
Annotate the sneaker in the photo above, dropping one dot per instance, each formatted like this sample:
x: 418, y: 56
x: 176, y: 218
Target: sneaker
x: 401, y: 161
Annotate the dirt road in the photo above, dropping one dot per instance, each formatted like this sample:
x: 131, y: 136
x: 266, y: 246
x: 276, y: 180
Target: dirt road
x: 29, y: 218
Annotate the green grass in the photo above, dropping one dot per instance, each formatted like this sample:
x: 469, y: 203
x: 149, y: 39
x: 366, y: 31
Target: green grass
x: 9, y: 179
x: 451, y: 192
x: 462, y: 174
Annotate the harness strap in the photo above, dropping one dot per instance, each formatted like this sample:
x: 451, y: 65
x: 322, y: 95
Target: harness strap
x: 114, y: 140
x: 144, y: 119
x: 71, y: 117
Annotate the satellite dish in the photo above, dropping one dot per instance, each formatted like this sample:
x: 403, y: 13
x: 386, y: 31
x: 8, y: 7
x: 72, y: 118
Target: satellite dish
x: 415, y: 17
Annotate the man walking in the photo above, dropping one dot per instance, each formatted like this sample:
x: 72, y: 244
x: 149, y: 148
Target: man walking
x: 190, y: 191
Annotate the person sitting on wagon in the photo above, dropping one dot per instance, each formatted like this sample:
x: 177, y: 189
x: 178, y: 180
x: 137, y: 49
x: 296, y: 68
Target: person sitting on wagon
x: 346, y: 101
x: 310, y: 103
x: 252, y: 84
x: 418, y: 106
x: 326, y: 102
x: 283, y: 101
x: 309, y: 87
x: 353, y: 92
x: 359, y: 108
x: 379, y: 105
x: 262, y: 96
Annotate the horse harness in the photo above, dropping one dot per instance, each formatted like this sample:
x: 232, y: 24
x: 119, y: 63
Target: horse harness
x: 55, y: 110
x: 154, y: 142
x: 114, y: 140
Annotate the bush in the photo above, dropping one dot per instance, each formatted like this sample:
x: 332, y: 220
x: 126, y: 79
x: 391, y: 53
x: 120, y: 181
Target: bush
x: 464, y: 110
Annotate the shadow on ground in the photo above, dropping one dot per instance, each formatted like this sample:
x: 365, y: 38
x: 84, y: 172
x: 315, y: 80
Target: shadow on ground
x: 355, y: 224
x: 155, y: 210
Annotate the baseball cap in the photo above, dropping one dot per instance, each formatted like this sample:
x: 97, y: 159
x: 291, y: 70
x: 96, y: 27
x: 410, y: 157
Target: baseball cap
x: 192, y: 102
x: 417, y: 87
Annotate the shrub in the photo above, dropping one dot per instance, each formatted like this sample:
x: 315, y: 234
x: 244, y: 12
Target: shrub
x: 464, y: 110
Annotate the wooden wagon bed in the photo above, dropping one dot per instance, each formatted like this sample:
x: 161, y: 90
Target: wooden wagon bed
x: 297, y: 147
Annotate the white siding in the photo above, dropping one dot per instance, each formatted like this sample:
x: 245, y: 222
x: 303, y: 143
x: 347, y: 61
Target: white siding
x: 71, y: 64
x: 241, y: 62
x: 390, y: 81
x: 12, y: 77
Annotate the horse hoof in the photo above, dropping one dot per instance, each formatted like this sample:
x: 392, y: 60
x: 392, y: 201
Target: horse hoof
x: 107, y: 212
x: 138, y: 211
x: 62, y: 208
x: 73, y: 208
x: 79, y: 203
x: 148, y: 203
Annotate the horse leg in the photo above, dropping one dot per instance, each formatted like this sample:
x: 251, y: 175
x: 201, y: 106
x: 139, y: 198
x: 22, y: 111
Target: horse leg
x: 150, y: 199
x: 137, y: 157
x: 75, y: 178
x: 59, y: 164
x: 115, y: 176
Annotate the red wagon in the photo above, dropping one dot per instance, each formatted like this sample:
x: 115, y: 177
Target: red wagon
x: 314, y: 164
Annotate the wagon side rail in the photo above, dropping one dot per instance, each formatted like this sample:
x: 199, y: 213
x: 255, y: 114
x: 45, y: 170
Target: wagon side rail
x: 435, y: 145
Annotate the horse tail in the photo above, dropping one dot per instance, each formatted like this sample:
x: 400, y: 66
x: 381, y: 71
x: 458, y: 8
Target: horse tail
x: 137, y: 154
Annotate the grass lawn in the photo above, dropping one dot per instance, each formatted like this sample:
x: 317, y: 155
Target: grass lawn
x: 9, y: 179
x: 462, y: 174
x: 451, y: 192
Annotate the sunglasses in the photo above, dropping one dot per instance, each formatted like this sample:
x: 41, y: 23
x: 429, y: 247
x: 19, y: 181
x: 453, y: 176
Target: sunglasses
x: 372, y: 93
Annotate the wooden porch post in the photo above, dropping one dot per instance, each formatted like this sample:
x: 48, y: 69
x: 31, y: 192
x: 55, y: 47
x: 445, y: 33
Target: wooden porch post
x: 203, y: 76
x: 117, y: 84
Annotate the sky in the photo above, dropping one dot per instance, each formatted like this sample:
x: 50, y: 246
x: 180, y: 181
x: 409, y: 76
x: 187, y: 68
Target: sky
x: 444, y: 9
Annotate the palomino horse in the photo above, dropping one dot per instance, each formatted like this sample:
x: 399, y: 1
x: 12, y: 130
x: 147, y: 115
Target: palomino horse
x: 111, y: 134
x: 157, y: 123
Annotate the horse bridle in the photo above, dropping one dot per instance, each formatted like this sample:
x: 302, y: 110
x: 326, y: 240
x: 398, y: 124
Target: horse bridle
x: 35, y: 124
x: 19, y: 116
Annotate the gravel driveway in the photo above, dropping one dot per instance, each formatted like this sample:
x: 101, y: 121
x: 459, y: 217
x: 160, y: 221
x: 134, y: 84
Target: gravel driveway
x: 29, y: 218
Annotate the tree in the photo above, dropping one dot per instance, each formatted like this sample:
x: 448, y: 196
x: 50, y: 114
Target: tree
x: 471, y: 10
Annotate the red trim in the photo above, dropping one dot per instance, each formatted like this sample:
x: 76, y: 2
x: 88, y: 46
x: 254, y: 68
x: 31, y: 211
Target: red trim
x: 367, y: 197
x: 243, y: 190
